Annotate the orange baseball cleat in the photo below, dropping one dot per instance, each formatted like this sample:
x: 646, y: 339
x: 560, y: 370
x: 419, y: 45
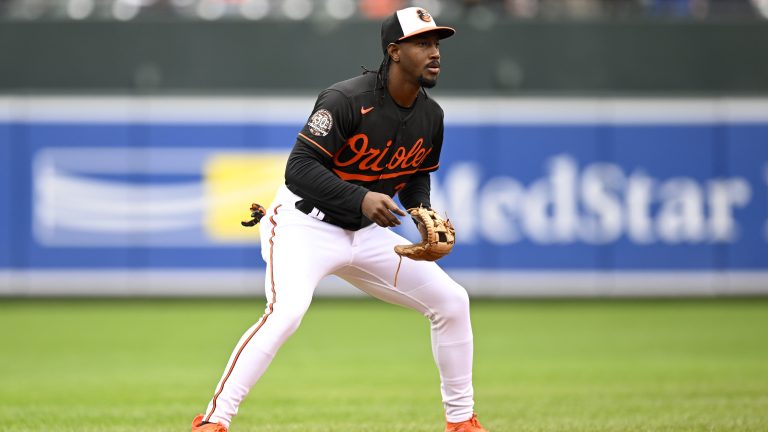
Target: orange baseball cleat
x: 198, y: 426
x: 471, y: 425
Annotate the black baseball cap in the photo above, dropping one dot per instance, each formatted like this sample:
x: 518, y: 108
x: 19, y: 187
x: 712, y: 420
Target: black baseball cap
x: 410, y: 22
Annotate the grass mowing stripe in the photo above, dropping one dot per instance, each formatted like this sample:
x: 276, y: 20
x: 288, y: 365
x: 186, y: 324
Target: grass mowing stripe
x: 354, y: 365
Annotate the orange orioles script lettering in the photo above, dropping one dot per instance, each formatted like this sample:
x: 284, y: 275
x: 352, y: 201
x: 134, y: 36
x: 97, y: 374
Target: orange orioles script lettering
x: 363, y: 158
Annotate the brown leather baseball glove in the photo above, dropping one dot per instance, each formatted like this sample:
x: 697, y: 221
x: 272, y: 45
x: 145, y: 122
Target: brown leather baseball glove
x: 437, y: 236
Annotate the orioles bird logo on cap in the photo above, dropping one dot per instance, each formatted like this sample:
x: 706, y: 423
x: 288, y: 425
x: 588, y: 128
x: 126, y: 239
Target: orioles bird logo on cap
x: 424, y: 15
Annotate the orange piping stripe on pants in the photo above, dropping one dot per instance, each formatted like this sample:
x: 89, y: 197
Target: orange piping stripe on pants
x: 263, y: 318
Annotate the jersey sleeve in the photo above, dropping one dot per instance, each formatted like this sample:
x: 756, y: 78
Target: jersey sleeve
x: 432, y: 161
x: 307, y: 176
x: 330, y: 124
x: 416, y: 192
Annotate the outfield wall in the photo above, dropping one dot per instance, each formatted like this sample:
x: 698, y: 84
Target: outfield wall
x: 550, y: 197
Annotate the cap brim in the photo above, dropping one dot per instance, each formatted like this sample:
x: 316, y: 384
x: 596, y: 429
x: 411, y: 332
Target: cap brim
x: 442, y: 32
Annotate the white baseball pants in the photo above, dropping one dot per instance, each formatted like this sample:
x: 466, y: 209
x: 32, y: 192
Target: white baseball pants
x: 299, y: 251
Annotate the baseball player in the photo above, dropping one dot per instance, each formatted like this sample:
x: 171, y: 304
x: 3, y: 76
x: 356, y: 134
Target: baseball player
x: 367, y: 139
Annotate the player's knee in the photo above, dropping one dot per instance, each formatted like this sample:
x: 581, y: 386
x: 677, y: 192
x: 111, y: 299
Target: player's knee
x: 288, y: 320
x: 454, y: 305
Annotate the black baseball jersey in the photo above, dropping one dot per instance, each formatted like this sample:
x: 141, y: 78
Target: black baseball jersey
x: 358, y: 140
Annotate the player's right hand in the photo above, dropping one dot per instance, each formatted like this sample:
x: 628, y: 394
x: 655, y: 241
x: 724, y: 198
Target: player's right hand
x: 380, y: 208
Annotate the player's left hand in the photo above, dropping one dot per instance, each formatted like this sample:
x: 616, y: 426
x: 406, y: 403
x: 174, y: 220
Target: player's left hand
x: 380, y: 208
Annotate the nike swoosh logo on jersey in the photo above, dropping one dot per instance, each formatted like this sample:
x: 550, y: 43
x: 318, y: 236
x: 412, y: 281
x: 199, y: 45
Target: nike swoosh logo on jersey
x: 364, y: 110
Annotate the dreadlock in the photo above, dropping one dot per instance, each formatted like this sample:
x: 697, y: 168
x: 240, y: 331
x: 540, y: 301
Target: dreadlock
x: 382, y: 74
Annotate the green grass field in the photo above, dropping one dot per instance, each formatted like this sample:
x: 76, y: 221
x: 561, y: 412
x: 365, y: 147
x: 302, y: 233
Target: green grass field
x: 357, y: 365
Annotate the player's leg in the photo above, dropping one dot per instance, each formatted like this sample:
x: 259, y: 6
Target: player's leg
x: 426, y: 288
x: 295, y: 264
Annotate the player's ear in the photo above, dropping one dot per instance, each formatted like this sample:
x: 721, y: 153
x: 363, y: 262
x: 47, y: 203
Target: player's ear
x: 393, y: 50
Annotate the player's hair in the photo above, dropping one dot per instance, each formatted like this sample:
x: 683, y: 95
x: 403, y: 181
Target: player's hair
x: 382, y: 73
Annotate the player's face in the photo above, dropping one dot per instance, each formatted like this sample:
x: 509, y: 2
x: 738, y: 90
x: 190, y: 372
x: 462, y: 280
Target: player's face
x: 420, y: 58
